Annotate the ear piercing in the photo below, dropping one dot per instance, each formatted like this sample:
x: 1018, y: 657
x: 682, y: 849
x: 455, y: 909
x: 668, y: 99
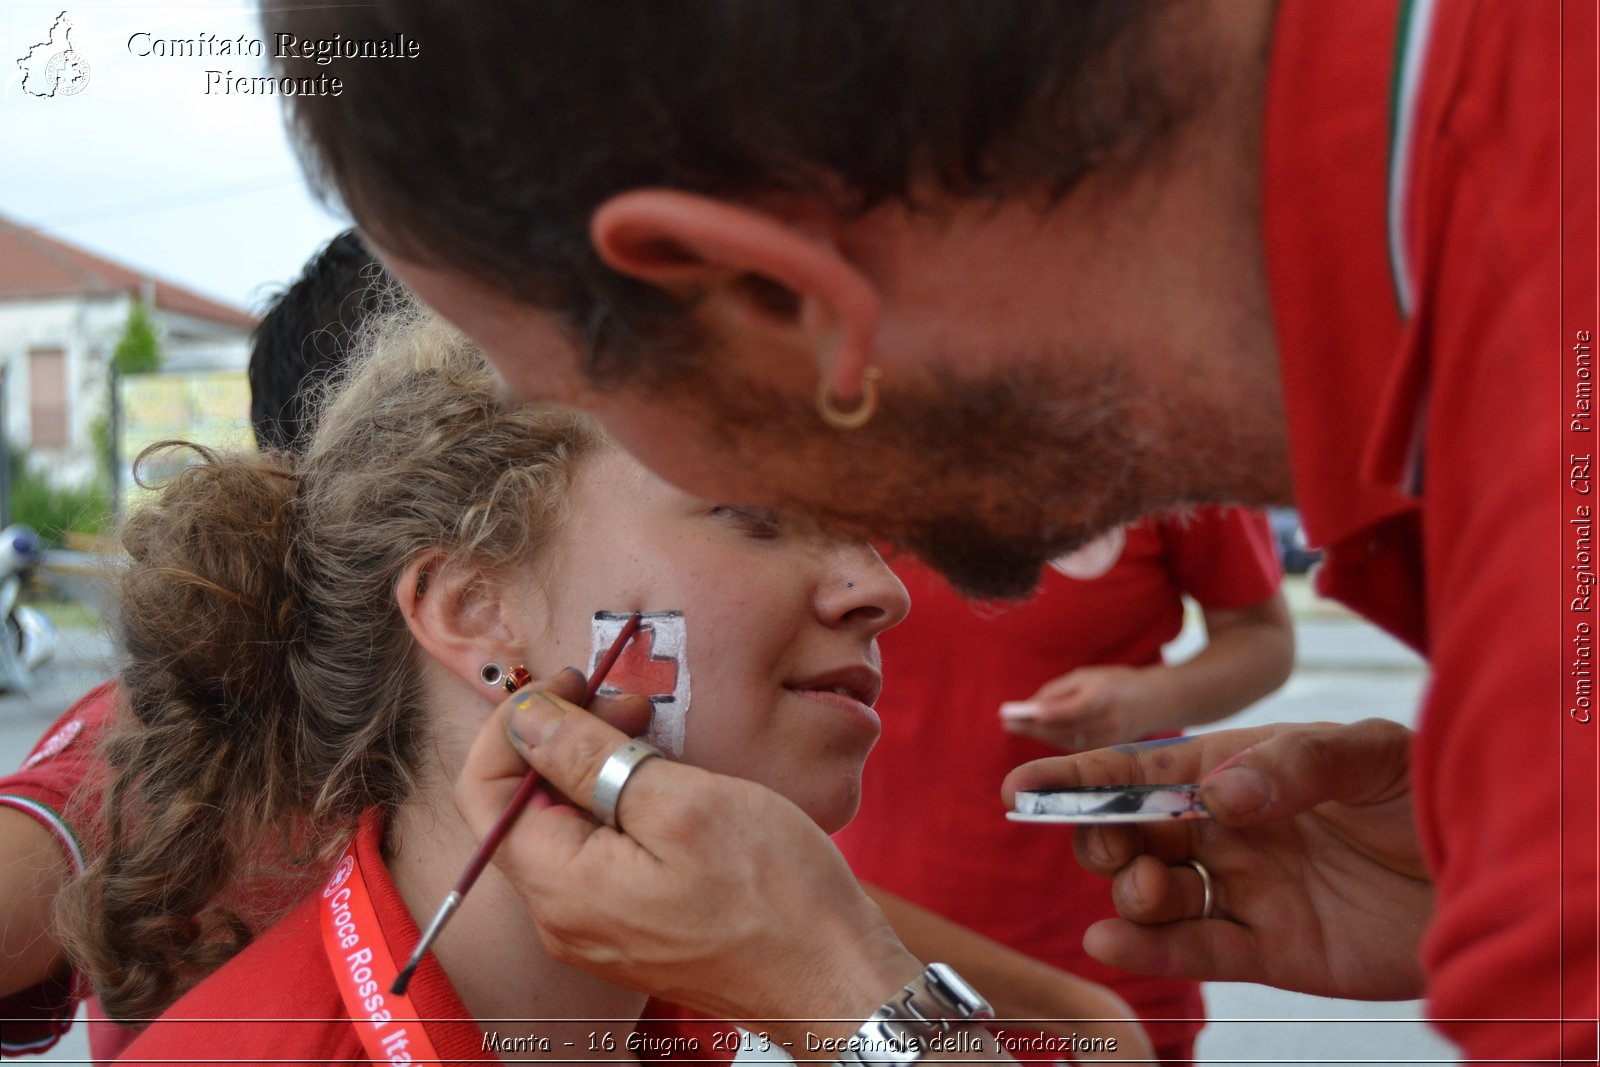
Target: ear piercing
x: 493, y: 674
x: 839, y: 419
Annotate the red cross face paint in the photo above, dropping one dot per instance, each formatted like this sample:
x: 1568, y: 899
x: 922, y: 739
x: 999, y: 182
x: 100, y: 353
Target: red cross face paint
x: 654, y: 664
x: 776, y: 618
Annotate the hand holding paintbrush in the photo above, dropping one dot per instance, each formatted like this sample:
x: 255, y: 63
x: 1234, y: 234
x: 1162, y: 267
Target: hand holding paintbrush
x: 497, y: 833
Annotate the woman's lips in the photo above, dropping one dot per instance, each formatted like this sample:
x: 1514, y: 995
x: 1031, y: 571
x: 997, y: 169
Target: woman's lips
x: 858, y: 683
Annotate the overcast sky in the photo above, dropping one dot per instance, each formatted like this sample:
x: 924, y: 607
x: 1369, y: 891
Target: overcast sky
x: 146, y: 168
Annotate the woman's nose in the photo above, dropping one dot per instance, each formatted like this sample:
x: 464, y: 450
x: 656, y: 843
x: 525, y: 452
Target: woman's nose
x: 862, y: 590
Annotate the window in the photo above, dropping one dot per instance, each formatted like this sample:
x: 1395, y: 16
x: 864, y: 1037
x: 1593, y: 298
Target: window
x: 47, y: 397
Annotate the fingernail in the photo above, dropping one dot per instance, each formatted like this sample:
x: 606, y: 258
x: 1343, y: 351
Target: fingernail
x: 1127, y: 888
x: 534, y: 717
x: 1236, y: 791
x: 1095, y: 844
x: 573, y: 670
x: 1020, y: 709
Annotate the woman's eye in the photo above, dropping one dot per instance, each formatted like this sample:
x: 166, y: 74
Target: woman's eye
x: 758, y: 522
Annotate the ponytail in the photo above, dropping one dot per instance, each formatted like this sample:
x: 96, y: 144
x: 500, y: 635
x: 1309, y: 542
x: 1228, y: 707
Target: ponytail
x: 203, y: 753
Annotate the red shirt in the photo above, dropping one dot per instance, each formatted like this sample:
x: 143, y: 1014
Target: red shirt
x: 44, y: 786
x: 36, y: 1018
x: 279, y: 1001
x: 1421, y: 351
x: 931, y: 826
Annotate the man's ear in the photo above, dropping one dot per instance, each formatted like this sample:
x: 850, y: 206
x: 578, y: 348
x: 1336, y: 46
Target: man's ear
x: 460, y: 619
x: 749, y: 274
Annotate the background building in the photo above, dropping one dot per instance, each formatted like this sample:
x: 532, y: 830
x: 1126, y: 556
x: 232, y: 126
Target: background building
x: 62, y: 311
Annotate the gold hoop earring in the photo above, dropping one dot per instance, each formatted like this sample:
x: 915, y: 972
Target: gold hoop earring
x: 850, y: 420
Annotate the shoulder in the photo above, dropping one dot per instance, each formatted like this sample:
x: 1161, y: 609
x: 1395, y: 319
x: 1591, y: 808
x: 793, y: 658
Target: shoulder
x: 62, y: 760
x: 276, y: 1000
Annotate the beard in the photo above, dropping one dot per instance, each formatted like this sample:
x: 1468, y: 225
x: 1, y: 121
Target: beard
x: 985, y: 480
x: 1033, y: 474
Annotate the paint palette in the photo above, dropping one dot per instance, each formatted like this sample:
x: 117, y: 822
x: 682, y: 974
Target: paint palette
x: 1110, y: 804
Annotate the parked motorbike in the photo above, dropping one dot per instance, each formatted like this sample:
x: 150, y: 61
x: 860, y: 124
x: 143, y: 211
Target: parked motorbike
x: 28, y: 638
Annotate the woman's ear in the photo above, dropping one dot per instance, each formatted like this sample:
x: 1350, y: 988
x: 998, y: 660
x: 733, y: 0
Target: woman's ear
x: 461, y: 618
x: 752, y: 278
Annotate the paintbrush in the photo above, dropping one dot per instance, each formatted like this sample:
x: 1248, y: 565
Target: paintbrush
x: 502, y: 825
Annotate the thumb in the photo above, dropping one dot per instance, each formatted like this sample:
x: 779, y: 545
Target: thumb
x: 1364, y: 763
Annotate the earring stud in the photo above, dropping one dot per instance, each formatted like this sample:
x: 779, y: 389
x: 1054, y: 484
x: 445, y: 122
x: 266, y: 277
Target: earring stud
x: 514, y: 679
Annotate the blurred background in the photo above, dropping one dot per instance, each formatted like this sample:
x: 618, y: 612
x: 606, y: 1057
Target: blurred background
x: 143, y: 221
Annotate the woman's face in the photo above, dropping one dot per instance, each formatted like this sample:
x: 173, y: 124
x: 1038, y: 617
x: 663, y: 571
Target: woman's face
x: 780, y: 622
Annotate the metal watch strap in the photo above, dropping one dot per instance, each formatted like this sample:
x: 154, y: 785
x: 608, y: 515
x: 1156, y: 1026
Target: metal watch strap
x: 900, y: 1032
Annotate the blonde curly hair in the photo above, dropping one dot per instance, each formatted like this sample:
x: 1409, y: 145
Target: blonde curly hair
x: 271, y: 691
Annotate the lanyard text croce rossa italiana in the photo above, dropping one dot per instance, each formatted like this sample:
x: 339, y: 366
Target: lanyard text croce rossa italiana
x: 389, y: 1025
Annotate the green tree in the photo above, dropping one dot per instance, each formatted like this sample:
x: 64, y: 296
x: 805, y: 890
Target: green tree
x: 139, y: 350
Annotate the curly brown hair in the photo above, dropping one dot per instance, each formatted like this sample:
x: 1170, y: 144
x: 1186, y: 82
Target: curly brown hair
x: 271, y: 691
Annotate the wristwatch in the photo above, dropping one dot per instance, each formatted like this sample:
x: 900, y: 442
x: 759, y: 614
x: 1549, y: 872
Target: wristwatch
x: 914, y: 1019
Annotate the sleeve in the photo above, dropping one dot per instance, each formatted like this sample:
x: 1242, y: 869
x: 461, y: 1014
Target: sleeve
x: 1504, y: 774
x: 1223, y: 557
x: 35, y: 1018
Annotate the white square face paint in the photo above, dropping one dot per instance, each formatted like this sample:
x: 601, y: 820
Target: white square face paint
x: 654, y: 664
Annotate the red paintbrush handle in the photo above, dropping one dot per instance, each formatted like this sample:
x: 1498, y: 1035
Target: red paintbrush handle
x: 497, y: 832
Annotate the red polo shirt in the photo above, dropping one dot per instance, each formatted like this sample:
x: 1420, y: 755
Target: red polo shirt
x: 278, y: 1001
x: 42, y: 787
x: 1411, y: 184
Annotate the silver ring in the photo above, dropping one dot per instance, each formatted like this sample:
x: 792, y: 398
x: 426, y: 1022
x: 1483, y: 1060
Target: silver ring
x: 1206, y: 883
x: 613, y: 779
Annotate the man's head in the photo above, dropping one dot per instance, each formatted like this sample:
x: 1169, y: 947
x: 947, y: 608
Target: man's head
x: 687, y: 216
x: 305, y: 335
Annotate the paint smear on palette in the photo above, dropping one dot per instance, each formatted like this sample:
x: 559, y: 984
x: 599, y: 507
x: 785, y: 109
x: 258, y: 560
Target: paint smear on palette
x: 655, y: 664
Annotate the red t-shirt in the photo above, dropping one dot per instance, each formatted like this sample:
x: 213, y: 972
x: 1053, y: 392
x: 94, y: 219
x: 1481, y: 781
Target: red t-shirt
x: 931, y: 826
x: 1411, y: 221
x: 43, y: 787
x: 279, y: 1001
x: 36, y: 1018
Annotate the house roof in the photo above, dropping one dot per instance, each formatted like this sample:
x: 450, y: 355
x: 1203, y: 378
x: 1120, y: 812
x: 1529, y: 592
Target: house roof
x: 34, y: 266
